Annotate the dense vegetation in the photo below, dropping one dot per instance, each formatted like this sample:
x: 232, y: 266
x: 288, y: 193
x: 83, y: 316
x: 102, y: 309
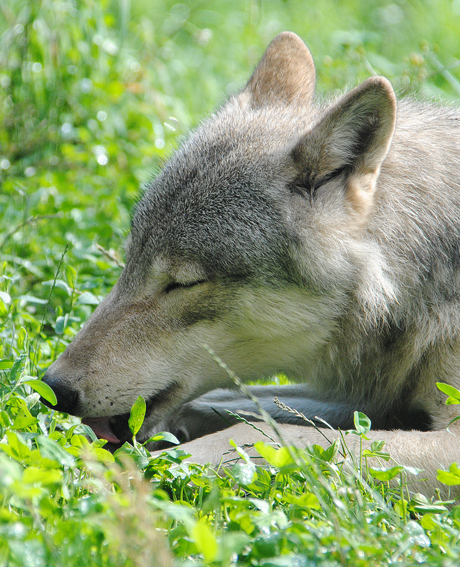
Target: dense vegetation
x: 93, y: 96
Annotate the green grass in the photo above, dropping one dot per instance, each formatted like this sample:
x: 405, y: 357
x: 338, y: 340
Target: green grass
x: 94, y: 95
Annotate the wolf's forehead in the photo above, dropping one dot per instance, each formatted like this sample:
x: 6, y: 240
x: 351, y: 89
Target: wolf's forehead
x: 219, y: 199
x: 233, y: 152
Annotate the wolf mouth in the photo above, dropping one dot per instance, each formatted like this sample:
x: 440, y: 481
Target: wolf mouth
x: 115, y: 429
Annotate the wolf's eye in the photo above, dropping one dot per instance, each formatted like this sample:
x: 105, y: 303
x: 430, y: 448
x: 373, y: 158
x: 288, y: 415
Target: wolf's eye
x: 176, y: 285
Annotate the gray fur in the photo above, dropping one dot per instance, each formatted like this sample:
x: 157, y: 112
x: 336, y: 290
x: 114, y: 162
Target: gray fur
x: 317, y: 240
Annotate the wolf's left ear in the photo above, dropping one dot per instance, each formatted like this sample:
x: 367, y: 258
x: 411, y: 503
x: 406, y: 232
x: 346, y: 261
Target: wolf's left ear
x: 351, y: 140
x: 284, y: 75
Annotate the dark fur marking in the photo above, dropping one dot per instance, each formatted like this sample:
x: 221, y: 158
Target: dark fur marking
x: 410, y: 419
x: 306, y: 185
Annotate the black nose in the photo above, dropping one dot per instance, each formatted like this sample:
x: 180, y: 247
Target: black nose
x: 67, y: 398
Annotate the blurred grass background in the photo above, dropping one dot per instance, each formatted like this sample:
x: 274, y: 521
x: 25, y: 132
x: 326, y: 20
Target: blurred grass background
x: 95, y: 94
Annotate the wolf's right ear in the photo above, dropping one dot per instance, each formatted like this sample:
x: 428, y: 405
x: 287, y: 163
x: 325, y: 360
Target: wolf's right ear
x: 350, y: 142
x: 284, y: 75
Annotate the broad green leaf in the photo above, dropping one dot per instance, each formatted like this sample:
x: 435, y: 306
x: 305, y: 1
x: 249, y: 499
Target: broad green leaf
x: 6, y: 364
x: 34, y: 475
x: 417, y: 535
x: 11, y: 470
x: 453, y: 393
x: 369, y: 453
x: 79, y: 441
x: 263, y: 505
x: 71, y: 276
x: 87, y: 298
x: 61, y: 284
x: 27, y: 492
x: 330, y: 453
x: 244, y: 473
x: 22, y: 338
x: 102, y: 455
x: 420, y: 503
x: 88, y: 432
x: 385, y: 474
x: 450, y: 477
x: 400, y: 507
x: 136, y: 417
x: 24, y: 422
x: 429, y: 508
x: 275, y: 457
x: 51, y: 450
x: 319, y: 452
x: 430, y: 522
x: 43, y: 389
x: 32, y: 299
x: 4, y: 419
x: 362, y: 423
x: 61, y: 324
x: 233, y: 542
x: 5, y: 297
x: 18, y: 367
x: 163, y: 436
x: 15, y: 447
x: 199, y: 480
x: 377, y: 446
x: 308, y: 500
x: 205, y: 540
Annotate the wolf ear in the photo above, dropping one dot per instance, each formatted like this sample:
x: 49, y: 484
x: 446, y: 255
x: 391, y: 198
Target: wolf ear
x: 284, y: 75
x: 351, y: 139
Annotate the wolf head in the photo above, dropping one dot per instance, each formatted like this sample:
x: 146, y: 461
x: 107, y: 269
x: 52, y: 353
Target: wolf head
x: 247, y: 242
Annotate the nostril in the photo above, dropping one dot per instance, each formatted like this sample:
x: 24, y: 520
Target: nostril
x: 67, y: 397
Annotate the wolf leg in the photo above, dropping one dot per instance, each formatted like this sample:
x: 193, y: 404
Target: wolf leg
x: 428, y: 451
x: 210, y: 413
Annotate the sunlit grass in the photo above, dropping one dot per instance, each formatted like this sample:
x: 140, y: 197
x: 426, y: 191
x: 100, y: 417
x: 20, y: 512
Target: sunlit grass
x: 94, y: 95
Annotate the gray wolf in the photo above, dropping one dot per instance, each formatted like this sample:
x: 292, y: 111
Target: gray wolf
x: 318, y: 240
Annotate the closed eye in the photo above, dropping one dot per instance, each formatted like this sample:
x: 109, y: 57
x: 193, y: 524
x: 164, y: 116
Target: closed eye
x: 176, y: 285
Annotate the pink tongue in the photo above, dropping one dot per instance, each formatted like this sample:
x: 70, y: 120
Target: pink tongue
x: 101, y: 427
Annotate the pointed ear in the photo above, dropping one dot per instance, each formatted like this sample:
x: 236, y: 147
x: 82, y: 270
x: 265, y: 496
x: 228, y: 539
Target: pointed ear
x: 285, y: 74
x: 351, y: 140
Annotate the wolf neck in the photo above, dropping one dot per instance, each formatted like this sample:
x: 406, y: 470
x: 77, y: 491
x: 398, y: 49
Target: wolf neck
x: 415, y: 223
x: 404, y: 303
